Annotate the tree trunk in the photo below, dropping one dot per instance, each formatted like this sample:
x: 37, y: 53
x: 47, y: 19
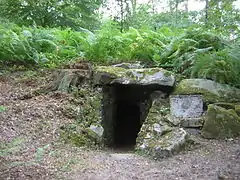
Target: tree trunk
x: 186, y: 6
x: 134, y: 6
x: 206, y: 11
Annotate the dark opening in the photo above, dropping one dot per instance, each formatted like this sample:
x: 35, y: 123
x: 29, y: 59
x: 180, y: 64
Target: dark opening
x: 127, y: 124
x: 125, y: 108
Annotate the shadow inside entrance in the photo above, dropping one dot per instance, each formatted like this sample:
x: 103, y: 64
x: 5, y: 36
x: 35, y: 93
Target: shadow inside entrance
x: 127, y: 125
x: 125, y: 108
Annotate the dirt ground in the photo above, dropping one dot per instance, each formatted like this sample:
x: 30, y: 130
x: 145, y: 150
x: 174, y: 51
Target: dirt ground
x: 30, y: 147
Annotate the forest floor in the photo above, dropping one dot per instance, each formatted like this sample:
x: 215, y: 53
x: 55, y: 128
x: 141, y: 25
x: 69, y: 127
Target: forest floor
x: 30, y: 147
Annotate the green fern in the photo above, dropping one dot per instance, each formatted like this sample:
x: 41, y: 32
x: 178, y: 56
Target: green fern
x: 219, y: 66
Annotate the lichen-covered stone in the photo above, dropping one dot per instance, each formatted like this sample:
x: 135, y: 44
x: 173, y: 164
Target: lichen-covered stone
x: 174, y: 121
x: 98, y: 129
x: 192, y: 122
x: 211, y: 91
x: 237, y: 109
x: 154, y: 123
x: 135, y: 65
x: 188, y: 122
x: 221, y: 123
x: 184, y: 106
x: 86, y: 130
x: 103, y: 75
x: 79, y: 136
x: 67, y: 78
x: 234, y: 106
x: 165, y: 145
x: 153, y: 127
x: 157, y: 137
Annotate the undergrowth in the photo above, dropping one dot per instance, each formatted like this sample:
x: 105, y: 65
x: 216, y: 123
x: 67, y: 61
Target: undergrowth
x: 192, y: 52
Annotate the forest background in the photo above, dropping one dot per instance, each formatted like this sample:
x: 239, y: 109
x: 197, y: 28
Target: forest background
x: 195, y: 38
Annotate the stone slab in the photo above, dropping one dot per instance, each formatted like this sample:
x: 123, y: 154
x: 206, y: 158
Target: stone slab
x: 186, y: 106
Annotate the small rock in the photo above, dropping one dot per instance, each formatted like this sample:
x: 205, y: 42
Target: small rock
x: 97, y: 129
x: 157, y: 128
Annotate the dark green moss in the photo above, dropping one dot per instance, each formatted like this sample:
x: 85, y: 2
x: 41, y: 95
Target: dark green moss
x: 237, y: 109
x: 226, y: 105
x: 211, y: 91
x: 85, y: 110
x: 79, y: 136
x: 118, y: 72
x: 221, y: 123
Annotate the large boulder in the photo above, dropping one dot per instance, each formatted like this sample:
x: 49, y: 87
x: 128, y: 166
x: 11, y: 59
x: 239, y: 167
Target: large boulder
x: 157, y: 137
x: 221, y: 123
x: 103, y: 75
x: 211, y: 91
x: 161, y: 146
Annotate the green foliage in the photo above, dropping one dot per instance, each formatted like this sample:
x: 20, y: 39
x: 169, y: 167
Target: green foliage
x: 222, y: 16
x: 51, y: 13
x: 39, y: 46
x: 202, y: 54
x: 133, y: 44
x: 221, y: 66
x: 180, y: 54
x: 192, y: 51
x: 51, y: 47
x: 22, y: 45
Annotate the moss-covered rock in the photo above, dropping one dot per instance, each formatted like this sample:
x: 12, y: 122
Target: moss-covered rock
x: 237, y: 109
x: 194, y: 122
x: 164, y: 146
x: 80, y: 136
x: 157, y: 138
x: 136, y: 65
x: 67, y: 78
x: 221, y: 123
x: 146, y: 76
x: 226, y: 105
x: 234, y: 106
x: 211, y: 91
x: 86, y: 129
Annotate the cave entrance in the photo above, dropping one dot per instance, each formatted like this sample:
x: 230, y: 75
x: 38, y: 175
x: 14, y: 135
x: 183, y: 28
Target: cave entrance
x: 125, y: 108
x: 127, y: 124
